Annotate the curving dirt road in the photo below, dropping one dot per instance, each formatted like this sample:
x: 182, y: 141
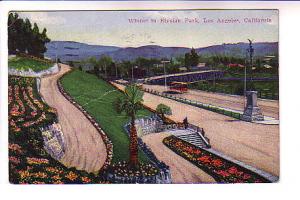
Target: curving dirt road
x: 85, y: 149
x: 182, y: 171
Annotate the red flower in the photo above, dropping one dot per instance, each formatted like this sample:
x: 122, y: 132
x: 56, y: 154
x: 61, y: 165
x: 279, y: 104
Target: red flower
x: 223, y: 173
x: 246, y: 176
x: 217, y: 163
x: 235, y: 171
x: 197, y: 151
x: 204, y: 159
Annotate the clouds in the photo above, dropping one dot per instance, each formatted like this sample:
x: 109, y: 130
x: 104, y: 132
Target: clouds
x: 44, y: 18
x: 113, y: 28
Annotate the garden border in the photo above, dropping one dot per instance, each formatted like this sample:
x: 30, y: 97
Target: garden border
x: 264, y: 175
x: 105, y: 138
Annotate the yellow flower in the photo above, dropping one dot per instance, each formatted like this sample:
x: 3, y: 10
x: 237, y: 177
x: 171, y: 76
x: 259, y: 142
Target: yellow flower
x: 71, y: 176
x: 24, y: 174
x: 56, y: 177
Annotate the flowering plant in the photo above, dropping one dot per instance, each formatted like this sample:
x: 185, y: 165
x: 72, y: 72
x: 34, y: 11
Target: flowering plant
x: 221, y: 170
x: 29, y: 163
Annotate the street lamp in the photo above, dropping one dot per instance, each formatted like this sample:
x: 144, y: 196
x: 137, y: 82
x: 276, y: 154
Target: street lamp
x: 164, y: 63
x: 249, y: 52
x: 132, y: 72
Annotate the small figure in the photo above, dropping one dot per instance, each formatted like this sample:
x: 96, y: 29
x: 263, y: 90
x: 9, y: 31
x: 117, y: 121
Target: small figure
x: 203, y: 132
x: 185, y: 122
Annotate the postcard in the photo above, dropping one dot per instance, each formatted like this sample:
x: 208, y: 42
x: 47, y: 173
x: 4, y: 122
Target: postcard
x: 143, y: 96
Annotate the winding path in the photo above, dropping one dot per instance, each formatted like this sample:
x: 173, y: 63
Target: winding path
x: 85, y: 149
x: 182, y: 171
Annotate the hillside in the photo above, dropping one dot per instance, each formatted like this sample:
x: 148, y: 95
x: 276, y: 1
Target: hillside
x: 74, y: 51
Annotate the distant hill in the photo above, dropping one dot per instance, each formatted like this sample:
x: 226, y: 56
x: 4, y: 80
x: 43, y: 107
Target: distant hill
x: 150, y: 51
x: 74, y: 51
x: 240, y: 49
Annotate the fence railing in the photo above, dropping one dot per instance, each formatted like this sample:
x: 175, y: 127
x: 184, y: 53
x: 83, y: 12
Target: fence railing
x: 197, y: 104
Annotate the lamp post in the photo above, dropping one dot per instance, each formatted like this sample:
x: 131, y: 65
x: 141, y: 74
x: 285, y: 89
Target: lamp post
x: 164, y: 63
x: 132, y: 72
x: 250, y: 50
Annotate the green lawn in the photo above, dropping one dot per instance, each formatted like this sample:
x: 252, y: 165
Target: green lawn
x: 22, y: 63
x: 97, y: 97
x: 266, y: 89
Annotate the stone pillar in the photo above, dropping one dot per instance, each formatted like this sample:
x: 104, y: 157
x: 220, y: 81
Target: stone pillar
x: 252, y: 112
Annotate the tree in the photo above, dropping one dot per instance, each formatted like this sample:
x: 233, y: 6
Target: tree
x: 94, y: 63
x: 187, y: 60
x: 23, y: 38
x: 105, y: 62
x: 131, y: 103
x: 194, y: 57
x: 191, y: 59
x: 163, y: 110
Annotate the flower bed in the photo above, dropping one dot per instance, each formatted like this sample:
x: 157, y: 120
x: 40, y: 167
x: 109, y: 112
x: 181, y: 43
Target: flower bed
x: 122, y: 169
x: 223, y: 171
x: 29, y: 162
x: 121, y: 173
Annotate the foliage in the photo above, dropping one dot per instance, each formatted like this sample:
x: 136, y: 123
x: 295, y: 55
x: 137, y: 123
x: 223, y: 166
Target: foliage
x: 191, y: 59
x: 163, y: 110
x: 23, y: 38
x: 29, y: 163
x: 23, y: 63
x: 131, y: 104
x: 223, y: 171
x: 98, y: 98
x: 266, y: 89
x: 123, y: 169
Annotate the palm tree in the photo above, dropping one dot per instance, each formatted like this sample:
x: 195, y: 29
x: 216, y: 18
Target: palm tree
x: 130, y: 104
x: 163, y: 110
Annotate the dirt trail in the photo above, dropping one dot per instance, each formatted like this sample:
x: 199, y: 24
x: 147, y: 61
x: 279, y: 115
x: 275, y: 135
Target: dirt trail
x: 85, y: 149
x: 182, y: 171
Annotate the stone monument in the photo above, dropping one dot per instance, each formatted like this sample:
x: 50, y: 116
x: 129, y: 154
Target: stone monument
x: 252, y: 112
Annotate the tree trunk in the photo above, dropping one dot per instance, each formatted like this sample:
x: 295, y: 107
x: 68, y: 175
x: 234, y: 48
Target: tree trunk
x: 133, y: 148
x: 163, y: 117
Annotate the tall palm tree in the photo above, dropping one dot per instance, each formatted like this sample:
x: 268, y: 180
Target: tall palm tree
x: 130, y: 104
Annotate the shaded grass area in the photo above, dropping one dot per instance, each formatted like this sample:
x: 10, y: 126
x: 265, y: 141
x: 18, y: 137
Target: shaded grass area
x: 265, y: 89
x: 22, y: 63
x: 97, y: 97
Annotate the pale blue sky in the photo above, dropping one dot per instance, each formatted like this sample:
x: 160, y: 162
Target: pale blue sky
x: 113, y: 28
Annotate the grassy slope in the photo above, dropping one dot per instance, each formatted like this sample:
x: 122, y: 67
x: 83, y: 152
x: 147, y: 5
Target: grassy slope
x: 22, y: 63
x: 96, y: 96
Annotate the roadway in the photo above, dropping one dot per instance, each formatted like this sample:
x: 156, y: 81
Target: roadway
x: 254, y: 144
x: 235, y: 102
